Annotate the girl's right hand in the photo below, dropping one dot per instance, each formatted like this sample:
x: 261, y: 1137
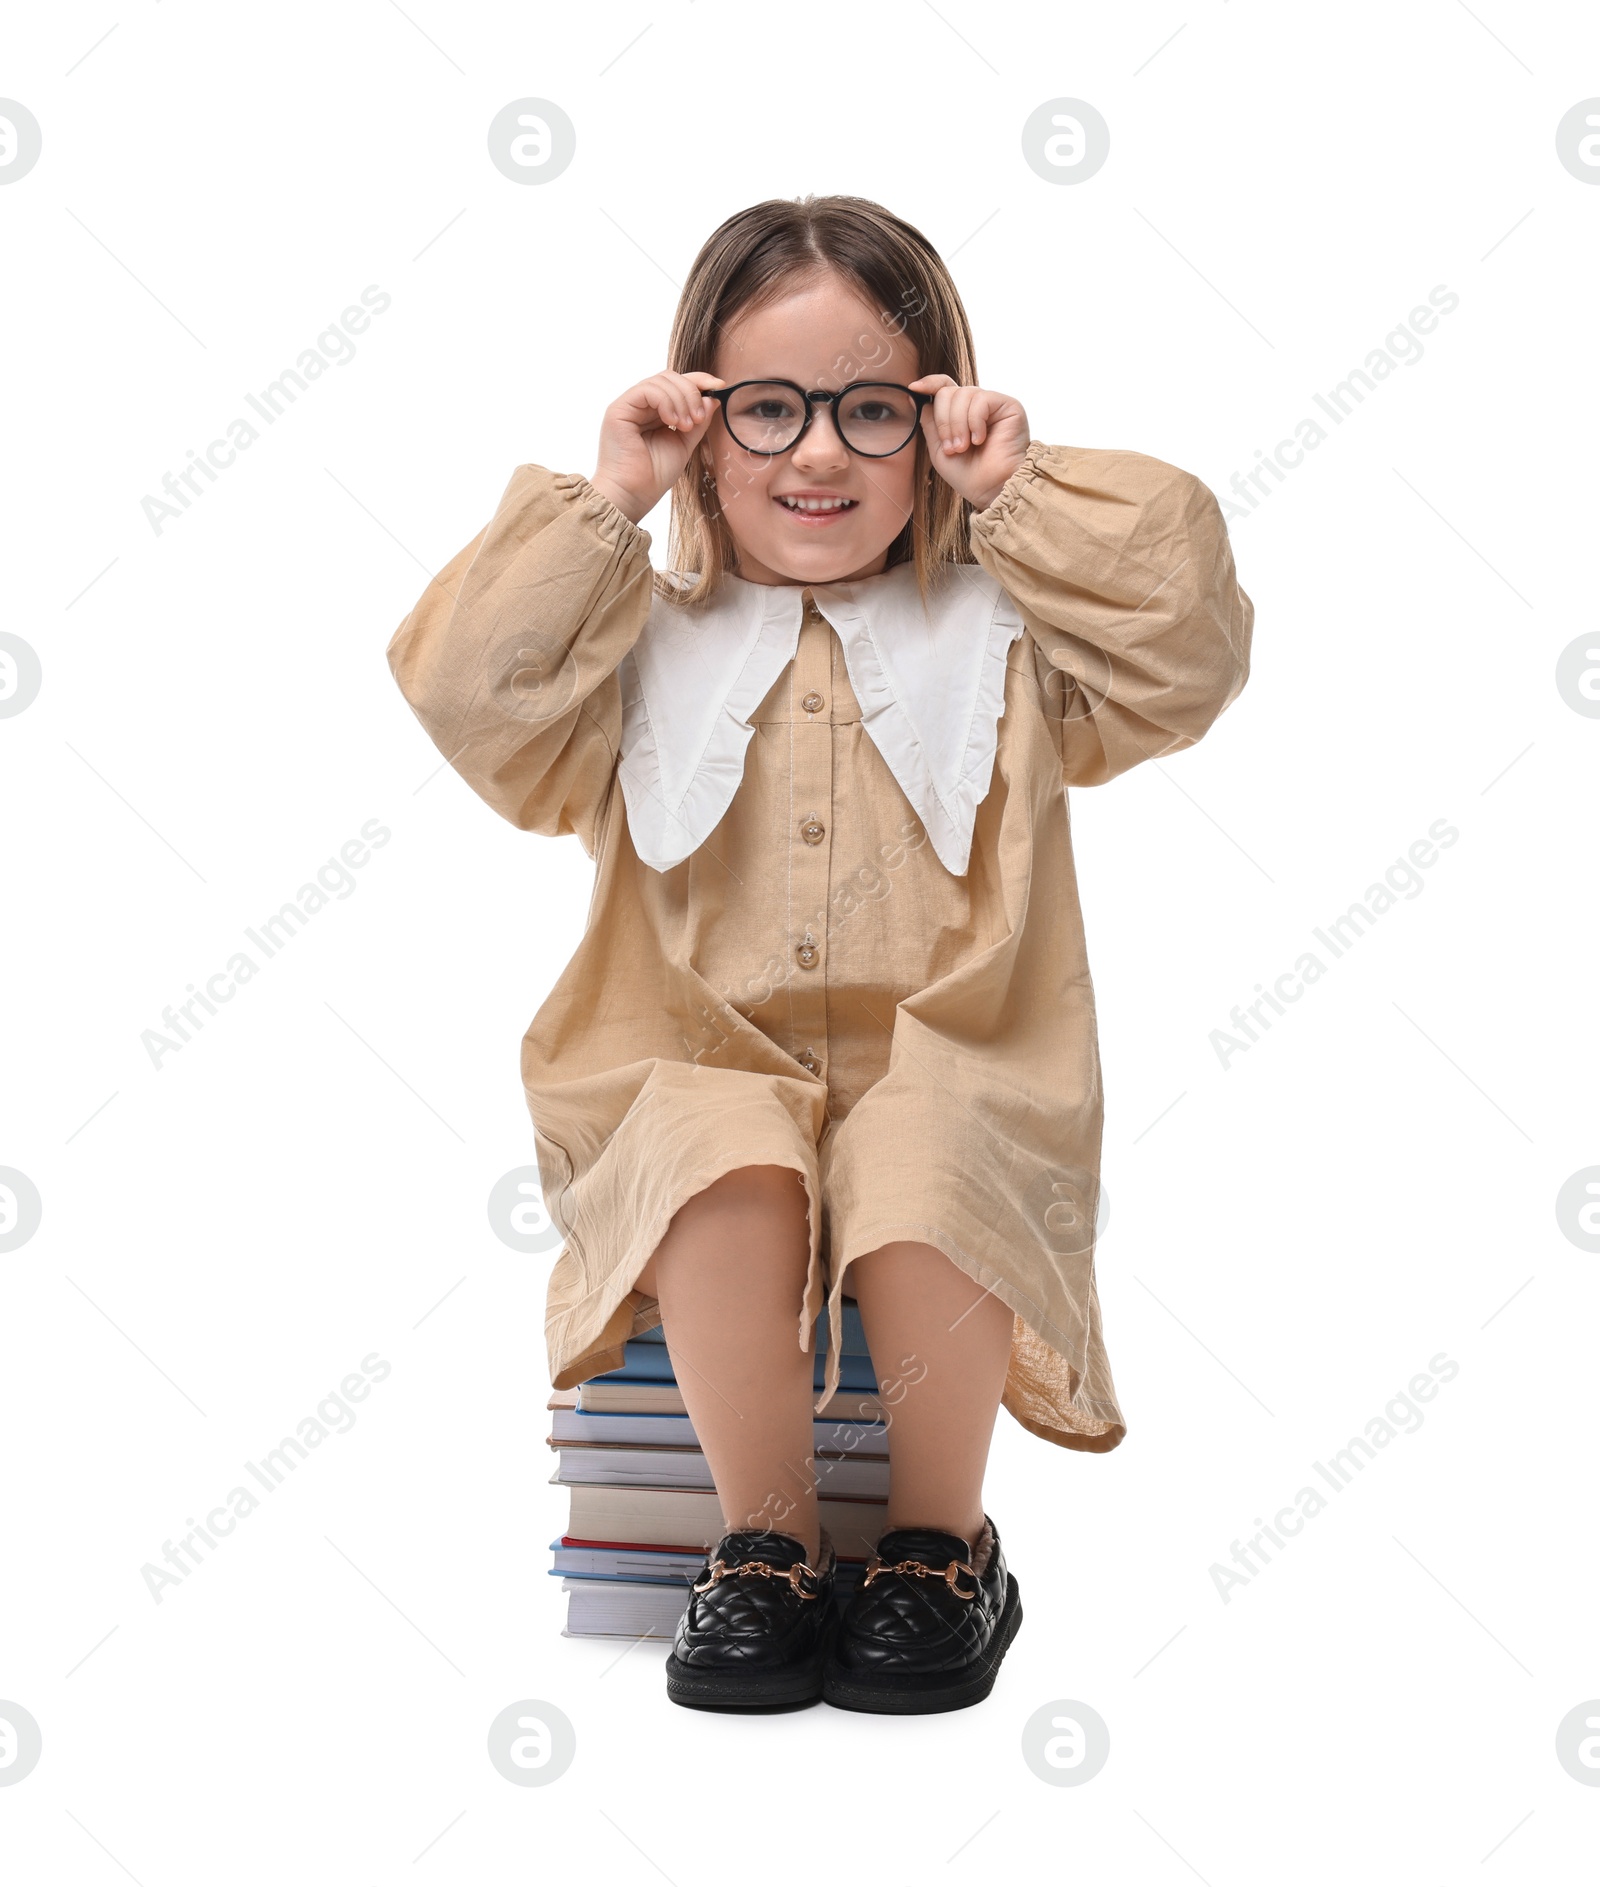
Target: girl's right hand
x: 646, y: 438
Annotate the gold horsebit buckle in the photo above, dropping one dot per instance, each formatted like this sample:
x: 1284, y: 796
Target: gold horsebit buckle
x: 719, y: 1570
x: 950, y: 1574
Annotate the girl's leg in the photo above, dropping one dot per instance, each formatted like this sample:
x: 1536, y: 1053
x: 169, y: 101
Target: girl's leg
x: 919, y: 1309
x: 729, y: 1276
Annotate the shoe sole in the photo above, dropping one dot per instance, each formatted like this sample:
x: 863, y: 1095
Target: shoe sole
x: 922, y: 1693
x: 754, y: 1690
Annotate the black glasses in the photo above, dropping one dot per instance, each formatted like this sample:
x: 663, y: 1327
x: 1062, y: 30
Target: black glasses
x: 874, y: 418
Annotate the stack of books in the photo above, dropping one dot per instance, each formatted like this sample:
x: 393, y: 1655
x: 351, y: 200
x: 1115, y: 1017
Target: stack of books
x: 644, y: 1512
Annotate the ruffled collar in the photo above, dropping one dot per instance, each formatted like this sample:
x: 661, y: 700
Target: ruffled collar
x: 930, y: 681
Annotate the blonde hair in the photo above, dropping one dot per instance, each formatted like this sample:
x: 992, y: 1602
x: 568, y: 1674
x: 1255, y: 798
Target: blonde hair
x: 766, y: 251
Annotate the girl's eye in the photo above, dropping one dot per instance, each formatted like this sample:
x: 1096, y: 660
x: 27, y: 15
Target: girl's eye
x: 768, y: 407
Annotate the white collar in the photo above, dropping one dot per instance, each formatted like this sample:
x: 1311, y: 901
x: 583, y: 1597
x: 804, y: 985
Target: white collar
x: 931, y: 684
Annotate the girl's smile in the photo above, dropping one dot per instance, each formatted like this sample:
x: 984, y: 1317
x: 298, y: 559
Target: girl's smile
x: 810, y: 509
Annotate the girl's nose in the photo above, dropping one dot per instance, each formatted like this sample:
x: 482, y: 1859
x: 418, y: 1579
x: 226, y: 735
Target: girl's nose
x: 821, y: 444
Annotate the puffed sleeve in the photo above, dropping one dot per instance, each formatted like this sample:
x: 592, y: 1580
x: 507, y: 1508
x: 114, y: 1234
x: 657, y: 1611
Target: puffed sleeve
x: 1121, y: 567
x: 509, y: 658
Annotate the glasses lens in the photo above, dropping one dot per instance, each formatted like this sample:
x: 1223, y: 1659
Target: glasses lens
x: 765, y: 416
x: 877, y: 418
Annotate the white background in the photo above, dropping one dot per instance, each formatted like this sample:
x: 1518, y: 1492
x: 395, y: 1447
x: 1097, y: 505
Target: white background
x: 1373, y: 1183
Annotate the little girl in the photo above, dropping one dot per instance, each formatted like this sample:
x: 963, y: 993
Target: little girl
x: 830, y: 1026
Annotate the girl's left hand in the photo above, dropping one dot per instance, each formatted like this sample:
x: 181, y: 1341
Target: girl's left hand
x: 976, y: 439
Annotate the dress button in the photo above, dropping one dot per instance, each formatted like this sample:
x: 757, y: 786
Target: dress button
x: 813, y: 831
x: 806, y: 955
x: 811, y: 702
x: 809, y: 1062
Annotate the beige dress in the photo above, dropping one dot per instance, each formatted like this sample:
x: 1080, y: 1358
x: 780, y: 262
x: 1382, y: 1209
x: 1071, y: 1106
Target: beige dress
x: 832, y: 933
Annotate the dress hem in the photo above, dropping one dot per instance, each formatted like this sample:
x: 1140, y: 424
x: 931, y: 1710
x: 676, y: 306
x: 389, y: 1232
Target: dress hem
x: 1104, y: 1427
x: 603, y: 1350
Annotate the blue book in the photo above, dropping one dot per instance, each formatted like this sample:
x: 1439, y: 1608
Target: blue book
x: 855, y: 1373
x: 642, y: 1362
x: 842, y: 1436
x: 852, y: 1343
x: 644, y: 1565
x: 650, y: 1362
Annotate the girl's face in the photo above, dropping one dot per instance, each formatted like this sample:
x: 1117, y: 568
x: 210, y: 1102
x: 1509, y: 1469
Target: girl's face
x: 823, y: 335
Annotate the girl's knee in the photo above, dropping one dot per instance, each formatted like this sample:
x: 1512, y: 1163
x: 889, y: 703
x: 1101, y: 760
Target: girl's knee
x: 747, y: 1208
x: 902, y: 1261
x: 763, y: 1189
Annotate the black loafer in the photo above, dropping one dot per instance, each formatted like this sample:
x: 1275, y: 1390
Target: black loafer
x: 923, y: 1631
x: 756, y: 1631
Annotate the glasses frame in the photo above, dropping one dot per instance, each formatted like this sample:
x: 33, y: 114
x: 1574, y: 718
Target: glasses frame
x: 812, y: 400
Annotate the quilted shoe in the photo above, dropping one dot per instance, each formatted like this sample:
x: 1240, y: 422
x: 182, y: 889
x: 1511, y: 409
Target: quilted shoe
x: 756, y: 1631
x: 923, y: 1631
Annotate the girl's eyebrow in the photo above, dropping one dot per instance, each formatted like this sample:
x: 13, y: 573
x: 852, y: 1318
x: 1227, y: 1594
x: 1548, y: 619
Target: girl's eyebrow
x: 795, y: 381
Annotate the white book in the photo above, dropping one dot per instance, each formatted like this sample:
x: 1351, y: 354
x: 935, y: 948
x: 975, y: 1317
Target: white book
x: 644, y: 1565
x: 660, y: 1516
x: 609, y: 1608
x: 594, y: 1464
x: 612, y: 1608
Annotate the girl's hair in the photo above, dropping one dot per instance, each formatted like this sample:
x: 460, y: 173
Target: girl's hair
x: 768, y: 251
